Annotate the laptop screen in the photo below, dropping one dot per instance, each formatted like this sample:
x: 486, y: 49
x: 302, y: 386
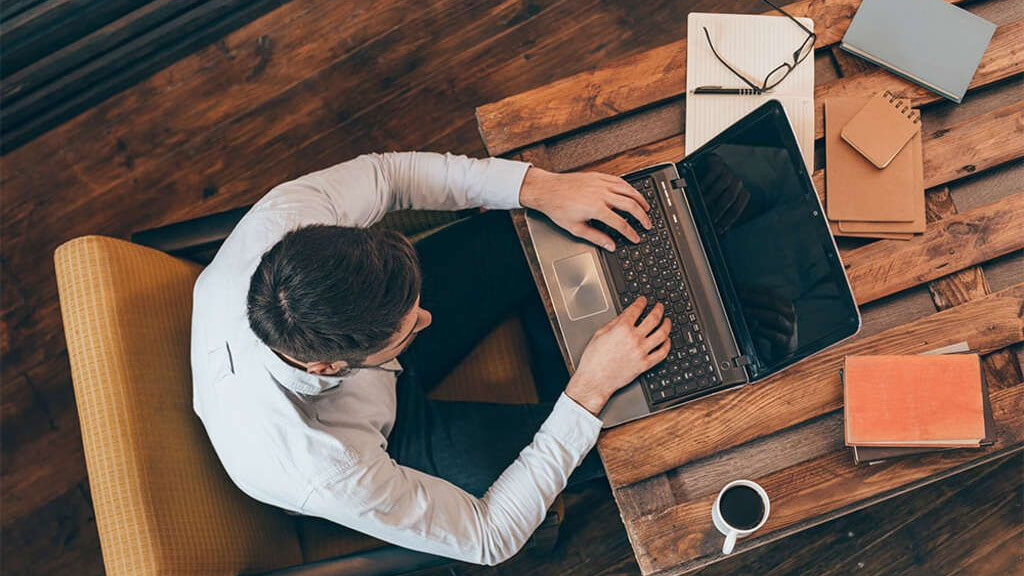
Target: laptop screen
x: 773, y: 257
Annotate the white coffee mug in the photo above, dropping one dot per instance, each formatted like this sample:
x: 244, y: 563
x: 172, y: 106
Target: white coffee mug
x: 731, y: 532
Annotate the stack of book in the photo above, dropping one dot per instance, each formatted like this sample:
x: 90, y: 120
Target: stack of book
x: 897, y: 406
x: 874, y: 174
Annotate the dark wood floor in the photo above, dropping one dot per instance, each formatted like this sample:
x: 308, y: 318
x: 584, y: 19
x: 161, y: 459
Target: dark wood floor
x: 319, y: 81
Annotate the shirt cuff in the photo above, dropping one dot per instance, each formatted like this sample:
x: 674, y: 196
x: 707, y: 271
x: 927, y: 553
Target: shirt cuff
x: 573, y: 425
x: 505, y: 179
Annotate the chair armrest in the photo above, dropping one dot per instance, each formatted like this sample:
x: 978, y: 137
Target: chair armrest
x: 196, y: 240
x: 385, y: 561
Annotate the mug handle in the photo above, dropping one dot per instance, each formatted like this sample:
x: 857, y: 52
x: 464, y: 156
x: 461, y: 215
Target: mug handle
x: 730, y: 542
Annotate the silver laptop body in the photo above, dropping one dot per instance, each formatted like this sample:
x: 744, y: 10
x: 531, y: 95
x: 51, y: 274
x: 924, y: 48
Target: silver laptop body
x: 586, y: 291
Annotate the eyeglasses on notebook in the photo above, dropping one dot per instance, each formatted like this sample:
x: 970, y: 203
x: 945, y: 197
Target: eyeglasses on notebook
x: 775, y: 77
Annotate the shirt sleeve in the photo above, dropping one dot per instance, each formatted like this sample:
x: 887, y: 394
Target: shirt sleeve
x: 361, y: 191
x: 415, y: 510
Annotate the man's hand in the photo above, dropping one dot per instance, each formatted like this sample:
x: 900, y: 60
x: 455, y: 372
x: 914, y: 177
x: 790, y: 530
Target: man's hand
x: 573, y: 200
x: 619, y: 352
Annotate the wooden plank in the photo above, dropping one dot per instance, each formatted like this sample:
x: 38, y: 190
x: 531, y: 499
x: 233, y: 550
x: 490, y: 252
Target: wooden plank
x: 647, y: 126
x: 36, y: 32
x: 171, y: 148
x: 1003, y: 59
x: 59, y: 538
x: 962, y: 149
x: 119, y: 167
x: 1001, y: 366
x: 59, y: 60
x: 975, y: 531
x: 837, y: 547
x: 593, y: 541
x: 123, y: 65
x: 948, y: 245
x: 802, y: 392
x: 628, y: 85
x: 684, y: 532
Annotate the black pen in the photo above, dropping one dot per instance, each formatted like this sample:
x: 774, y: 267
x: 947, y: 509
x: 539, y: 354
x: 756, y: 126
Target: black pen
x: 720, y: 90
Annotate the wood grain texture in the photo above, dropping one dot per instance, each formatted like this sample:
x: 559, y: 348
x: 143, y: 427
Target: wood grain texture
x: 105, y: 55
x: 952, y: 152
x: 960, y: 522
x: 684, y: 531
x: 308, y: 85
x: 1001, y: 366
x: 807, y: 390
x: 1003, y: 59
x: 948, y: 245
x: 589, y: 97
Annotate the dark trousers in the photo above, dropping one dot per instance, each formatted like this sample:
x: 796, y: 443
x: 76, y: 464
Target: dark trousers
x: 474, y: 277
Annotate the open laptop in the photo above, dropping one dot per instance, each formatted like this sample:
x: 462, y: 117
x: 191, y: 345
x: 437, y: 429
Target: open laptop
x: 740, y: 254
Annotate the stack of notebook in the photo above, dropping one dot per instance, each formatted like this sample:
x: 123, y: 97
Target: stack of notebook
x: 874, y: 175
x: 897, y: 406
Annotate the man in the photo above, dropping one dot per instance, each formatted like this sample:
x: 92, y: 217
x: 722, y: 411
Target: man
x: 298, y: 321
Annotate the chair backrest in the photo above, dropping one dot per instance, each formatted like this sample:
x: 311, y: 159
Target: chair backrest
x: 163, y: 503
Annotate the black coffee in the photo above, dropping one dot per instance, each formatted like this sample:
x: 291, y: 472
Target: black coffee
x: 742, y: 507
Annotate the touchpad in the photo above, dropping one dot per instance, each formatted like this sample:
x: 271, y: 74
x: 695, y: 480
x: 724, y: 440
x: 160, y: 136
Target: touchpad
x: 580, y: 285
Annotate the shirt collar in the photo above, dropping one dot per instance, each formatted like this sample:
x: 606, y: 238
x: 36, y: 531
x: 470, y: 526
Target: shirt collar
x: 298, y: 380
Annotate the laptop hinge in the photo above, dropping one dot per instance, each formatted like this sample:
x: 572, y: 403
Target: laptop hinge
x: 678, y: 183
x: 740, y: 361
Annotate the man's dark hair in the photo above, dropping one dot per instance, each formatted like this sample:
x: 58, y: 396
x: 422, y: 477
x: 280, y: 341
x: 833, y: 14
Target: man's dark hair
x: 330, y: 293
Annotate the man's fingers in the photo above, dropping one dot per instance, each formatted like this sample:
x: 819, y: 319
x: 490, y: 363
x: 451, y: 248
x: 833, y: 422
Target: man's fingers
x: 595, y: 236
x: 622, y: 188
x: 632, y: 207
x: 616, y: 222
x: 659, y: 336
x: 653, y: 318
x: 657, y: 355
x: 632, y: 312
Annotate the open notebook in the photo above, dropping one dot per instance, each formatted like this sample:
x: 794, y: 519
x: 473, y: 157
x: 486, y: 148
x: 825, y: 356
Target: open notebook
x: 756, y: 45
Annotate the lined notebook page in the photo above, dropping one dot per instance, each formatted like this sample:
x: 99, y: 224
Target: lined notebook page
x: 755, y: 45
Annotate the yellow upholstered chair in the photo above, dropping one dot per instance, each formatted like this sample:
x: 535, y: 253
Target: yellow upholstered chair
x: 163, y: 504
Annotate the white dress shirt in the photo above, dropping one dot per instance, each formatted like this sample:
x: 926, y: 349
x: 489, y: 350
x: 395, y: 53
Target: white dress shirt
x: 316, y: 445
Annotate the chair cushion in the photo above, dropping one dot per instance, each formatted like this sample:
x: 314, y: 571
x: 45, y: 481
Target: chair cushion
x: 496, y: 370
x: 163, y: 503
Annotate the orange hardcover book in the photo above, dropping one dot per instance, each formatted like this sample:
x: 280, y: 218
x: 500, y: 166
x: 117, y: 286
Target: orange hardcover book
x: 909, y: 401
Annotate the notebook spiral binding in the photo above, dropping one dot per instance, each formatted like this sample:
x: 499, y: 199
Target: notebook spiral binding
x: 913, y: 115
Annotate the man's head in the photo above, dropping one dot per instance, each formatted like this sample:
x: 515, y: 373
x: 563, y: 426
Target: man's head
x: 329, y: 297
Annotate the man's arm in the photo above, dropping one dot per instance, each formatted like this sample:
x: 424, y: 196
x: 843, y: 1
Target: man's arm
x: 361, y: 191
x: 423, y: 512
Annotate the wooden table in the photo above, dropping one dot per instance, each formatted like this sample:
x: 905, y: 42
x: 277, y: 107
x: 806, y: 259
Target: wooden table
x: 786, y: 432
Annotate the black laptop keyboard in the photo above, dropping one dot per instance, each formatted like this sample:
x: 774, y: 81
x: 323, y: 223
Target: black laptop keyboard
x: 651, y: 268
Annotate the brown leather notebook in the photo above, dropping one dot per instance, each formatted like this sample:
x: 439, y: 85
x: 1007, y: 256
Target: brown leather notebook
x: 875, y: 454
x: 914, y: 401
x: 856, y: 189
x: 905, y: 230
x: 882, y: 128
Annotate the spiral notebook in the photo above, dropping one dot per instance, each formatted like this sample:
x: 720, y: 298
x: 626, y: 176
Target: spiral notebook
x: 882, y: 128
x: 756, y: 45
